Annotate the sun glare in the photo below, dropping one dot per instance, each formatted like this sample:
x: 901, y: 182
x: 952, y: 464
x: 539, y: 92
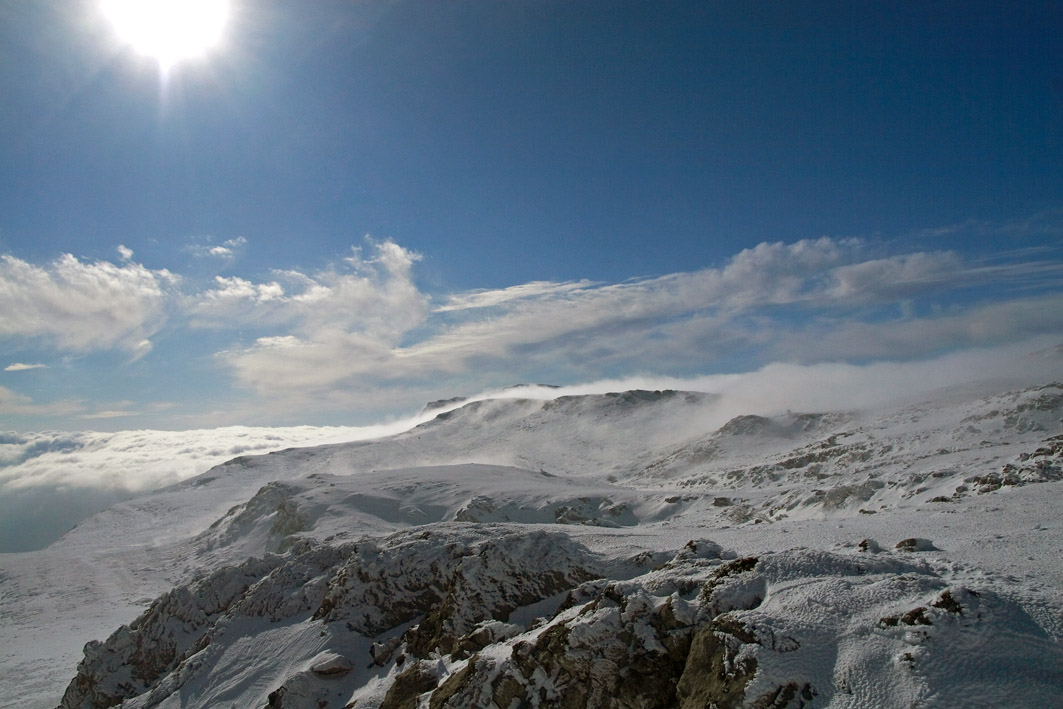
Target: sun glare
x: 168, y: 30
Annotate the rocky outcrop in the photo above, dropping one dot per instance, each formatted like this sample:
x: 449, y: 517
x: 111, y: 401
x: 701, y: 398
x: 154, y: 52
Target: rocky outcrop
x: 447, y: 582
x: 175, y: 627
x: 1044, y: 464
x: 495, y: 616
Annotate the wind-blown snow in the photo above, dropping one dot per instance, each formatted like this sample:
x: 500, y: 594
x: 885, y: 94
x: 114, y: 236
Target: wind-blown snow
x: 50, y: 481
x: 513, y: 550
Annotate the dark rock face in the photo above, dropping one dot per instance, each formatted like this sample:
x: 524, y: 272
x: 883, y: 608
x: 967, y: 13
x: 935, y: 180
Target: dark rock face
x: 617, y: 651
x: 916, y: 544
x: 442, y: 404
x: 625, y: 648
x: 409, y: 685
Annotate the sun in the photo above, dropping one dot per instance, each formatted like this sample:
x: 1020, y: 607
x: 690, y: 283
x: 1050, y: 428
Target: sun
x: 168, y: 30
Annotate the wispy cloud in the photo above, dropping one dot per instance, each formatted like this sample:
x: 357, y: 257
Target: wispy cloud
x: 495, y: 298
x: 225, y: 250
x: 20, y: 367
x: 335, y: 324
x: 908, y: 337
x: 362, y: 332
x: 1046, y: 224
x: 793, y: 302
x: 15, y: 404
x: 108, y: 414
x: 82, y: 306
x: 371, y: 291
x: 896, y: 277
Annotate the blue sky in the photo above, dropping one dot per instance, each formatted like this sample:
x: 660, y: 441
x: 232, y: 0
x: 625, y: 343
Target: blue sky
x: 349, y: 208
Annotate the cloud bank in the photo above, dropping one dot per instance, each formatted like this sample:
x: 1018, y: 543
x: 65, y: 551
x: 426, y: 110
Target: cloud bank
x: 50, y: 481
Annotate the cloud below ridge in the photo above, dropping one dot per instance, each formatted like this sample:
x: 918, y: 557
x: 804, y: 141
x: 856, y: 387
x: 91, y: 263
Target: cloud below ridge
x: 48, y: 481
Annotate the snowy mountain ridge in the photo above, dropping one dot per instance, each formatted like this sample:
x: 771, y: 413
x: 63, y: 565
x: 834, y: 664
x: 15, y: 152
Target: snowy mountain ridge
x: 516, y: 552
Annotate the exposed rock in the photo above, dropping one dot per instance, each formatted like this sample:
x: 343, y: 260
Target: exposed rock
x: 442, y: 404
x: 916, y: 544
x: 409, y: 685
x: 916, y: 616
x: 788, y: 696
x: 1044, y: 464
x: 869, y: 546
x: 717, y: 670
x: 485, y: 616
x: 746, y: 426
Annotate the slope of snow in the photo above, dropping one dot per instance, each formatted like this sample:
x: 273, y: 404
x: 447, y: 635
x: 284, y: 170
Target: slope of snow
x: 593, y: 492
x: 50, y: 481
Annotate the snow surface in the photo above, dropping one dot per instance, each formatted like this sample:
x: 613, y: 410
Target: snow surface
x: 619, y: 484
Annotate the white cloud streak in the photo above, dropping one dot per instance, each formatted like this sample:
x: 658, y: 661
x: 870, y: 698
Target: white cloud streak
x: 360, y: 333
x: 228, y: 249
x: 493, y: 298
x: 20, y: 367
x: 363, y: 330
x: 978, y: 326
x: 15, y: 404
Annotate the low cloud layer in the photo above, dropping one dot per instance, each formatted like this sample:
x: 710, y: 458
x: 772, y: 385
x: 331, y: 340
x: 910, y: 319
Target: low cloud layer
x: 49, y: 481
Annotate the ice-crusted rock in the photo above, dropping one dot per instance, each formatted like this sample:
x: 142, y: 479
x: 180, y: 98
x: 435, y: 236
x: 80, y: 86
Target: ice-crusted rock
x: 841, y: 464
x: 157, y: 653
x: 452, y: 583
x: 495, y: 616
x: 754, y: 632
x: 1044, y: 464
x: 448, y: 582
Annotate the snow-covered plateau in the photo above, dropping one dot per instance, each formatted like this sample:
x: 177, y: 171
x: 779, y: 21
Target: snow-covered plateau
x: 606, y: 550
